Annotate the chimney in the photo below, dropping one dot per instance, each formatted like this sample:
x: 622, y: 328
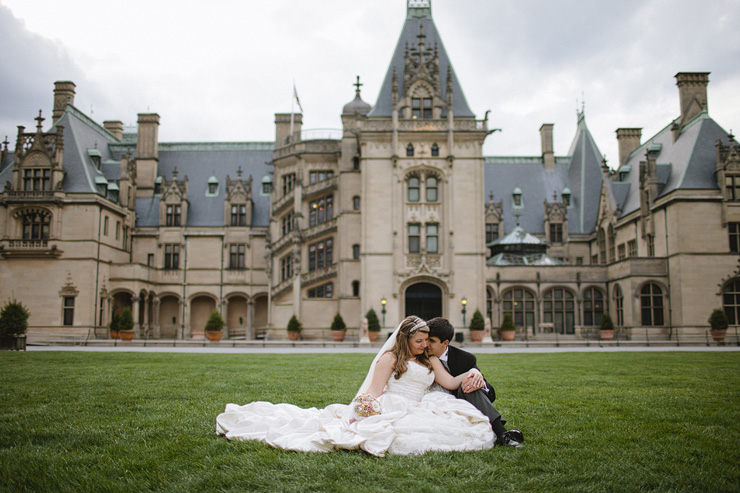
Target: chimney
x: 148, y: 137
x: 692, y: 89
x: 114, y: 127
x: 629, y: 140
x: 548, y: 155
x: 64, y: 94
x: 282, y: 128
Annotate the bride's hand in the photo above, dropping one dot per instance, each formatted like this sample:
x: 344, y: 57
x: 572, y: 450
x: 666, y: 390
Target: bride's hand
x: 473, y: 381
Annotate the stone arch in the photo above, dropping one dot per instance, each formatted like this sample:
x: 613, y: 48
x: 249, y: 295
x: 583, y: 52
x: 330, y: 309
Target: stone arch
x: 424, y: 296
x: 201, y: 307
x: 170, y: 313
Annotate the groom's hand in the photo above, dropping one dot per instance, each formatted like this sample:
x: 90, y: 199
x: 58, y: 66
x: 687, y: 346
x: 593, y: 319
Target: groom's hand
x: 473, y: 381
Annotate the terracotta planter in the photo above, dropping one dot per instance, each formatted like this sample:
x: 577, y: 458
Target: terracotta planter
x: 214, y: 335
x: 338, y: 335
x: 606, y: 335
x: 114, y: 334
x: 508, y: 335
x: 476, y: 335
x: 126, y: 335
x: 718, y: 335
x: 372, y: 335
x: 294, y: 335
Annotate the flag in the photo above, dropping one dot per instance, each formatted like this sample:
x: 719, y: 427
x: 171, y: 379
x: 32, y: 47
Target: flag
x: 297, y: 100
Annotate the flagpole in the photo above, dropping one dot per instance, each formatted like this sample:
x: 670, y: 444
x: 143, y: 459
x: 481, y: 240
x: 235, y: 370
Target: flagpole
x: 292, y: 106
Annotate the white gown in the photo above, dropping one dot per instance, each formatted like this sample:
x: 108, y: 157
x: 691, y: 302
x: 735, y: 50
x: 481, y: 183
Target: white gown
x: 411, y: 422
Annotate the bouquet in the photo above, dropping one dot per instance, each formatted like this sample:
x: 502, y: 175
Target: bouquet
x: 366, y: 405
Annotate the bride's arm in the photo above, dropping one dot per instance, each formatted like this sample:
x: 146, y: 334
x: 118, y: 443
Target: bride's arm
x: 383, y: 371
x: 443, y: 377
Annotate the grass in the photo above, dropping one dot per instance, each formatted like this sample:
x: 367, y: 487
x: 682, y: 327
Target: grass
x: 144, y: 421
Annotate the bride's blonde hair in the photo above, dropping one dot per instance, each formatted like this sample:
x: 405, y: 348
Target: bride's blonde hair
x: 401, y: 350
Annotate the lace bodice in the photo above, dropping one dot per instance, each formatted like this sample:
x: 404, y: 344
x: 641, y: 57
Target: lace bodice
x: 412, y: 384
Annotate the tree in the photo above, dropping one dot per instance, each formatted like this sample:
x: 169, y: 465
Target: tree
x: 13, y: 319
x: 215, y: 322
x: 126, y: 320
x: 338, y: 323
x: 477, y: 322
x: 373, y: 324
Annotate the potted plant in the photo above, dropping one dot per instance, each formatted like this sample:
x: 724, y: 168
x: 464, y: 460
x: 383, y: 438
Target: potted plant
x: 338, y: 328
x: 606, y: 328
x: 373, y: 325
x: 13, y: 325
x: 719, y: 322
x: 294, y: 328
x: 477, y: 326
x: 126, y: 325
x: 114, y: 326
x: 508, y: 329
x: 214, y: 326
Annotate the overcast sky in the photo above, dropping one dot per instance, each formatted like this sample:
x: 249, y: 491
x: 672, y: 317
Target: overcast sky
x: 219, y: 70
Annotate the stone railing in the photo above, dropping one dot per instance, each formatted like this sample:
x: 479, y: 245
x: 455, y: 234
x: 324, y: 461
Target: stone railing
x: 319, y: 274
x: 309, y: 233
x: 307, y: 147
x: 30, y: 244
x: 320, y: 187
x: 282, y: 243
x: 283, y: 201
x: 428, y: 125
x: 282, y: 286
x: 31, y: 194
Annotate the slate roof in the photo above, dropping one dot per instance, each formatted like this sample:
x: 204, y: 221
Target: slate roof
x: 688, y: 163
x: 580, y: 172
x: 409, y: 33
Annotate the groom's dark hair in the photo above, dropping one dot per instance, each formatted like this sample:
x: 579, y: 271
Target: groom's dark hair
x: 441, y: 328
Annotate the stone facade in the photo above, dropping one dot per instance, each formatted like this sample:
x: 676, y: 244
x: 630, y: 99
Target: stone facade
x: 398, y: 211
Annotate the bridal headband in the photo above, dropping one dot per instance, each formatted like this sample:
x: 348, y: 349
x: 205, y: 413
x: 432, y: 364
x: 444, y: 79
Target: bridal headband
x: 417, y: 327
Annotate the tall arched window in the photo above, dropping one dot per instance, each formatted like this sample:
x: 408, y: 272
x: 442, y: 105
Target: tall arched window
x: 619, y: 304
x: 651, y: 304
x: 612, y: 244
x: 602, y: 246
x: 731, y: 301
x: 414, y: 189
x: 520, y: 304
x: 431, y: 191
x: 559, y: 308
x: 36, y: 225
x: 593, y: 307
x: 355, y: 288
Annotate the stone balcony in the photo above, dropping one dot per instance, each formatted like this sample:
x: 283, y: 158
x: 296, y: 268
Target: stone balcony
x: 319, y: 229
x: 319, y: 274
x: 28, y: 248
x: 283, y: 202
x: 320, y: 187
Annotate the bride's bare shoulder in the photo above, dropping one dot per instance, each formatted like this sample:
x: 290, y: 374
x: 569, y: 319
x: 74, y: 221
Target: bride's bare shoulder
x: 387, y: 358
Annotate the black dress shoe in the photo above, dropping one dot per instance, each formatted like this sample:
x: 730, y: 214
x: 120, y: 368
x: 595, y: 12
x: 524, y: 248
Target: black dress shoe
x: 516, y: 435
x: 507, y: 441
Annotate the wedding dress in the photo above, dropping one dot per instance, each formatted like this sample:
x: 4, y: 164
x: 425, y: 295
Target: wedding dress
x: 413, y: 421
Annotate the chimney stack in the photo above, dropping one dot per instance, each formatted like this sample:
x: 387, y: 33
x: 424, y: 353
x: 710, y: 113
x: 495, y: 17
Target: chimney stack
x: 148, y: 136
x: 692, y: 89
x: 629, y: 140
x: 115, y: 127
x: 282, y: 128
x: 64, y: 94
x: 548, y: 154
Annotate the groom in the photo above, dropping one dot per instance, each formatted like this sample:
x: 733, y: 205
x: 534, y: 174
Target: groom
x: 475, y: 389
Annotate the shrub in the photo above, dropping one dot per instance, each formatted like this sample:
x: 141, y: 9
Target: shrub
x: 338, y: 323
x: 13, y: 319
x: 606, y: 322
x: 508, y: 323
x: 477, y: 322
x: 115, y: 322
x: 294, y: 325
x: 126, y: 320
x: 718, y: 319
x: 215, y: 322
x: 373, y: 324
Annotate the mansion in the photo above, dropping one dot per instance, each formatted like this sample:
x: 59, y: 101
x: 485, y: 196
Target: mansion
x: 399, y: 211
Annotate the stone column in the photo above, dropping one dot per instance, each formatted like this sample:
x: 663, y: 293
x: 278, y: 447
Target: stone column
x: 135, y: 310
x: 225, y: 315
x: 155, y: 317
x: 250, y: 320
x: 146, y: 315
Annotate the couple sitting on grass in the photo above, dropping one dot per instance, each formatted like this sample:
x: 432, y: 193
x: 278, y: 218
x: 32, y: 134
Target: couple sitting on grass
x: 402, y: 407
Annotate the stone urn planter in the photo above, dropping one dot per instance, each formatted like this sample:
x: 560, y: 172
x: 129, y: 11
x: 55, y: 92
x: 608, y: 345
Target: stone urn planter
x: 606, y: 334
x: 477, y: 335
x: 214, y: 335
x: 718, y: 323
x: 294, y: 335
x: 508, y: 335
x: 373, y: 335
x: 338, y: 335
x: 126, y: 335
x: 718, y: 335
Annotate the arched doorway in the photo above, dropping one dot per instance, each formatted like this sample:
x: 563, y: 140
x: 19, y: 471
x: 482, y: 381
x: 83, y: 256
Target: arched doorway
x: 424, y: 300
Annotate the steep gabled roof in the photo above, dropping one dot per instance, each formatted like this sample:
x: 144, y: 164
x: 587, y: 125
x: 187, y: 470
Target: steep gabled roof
x: 416, y: 17
x: 585, y: 178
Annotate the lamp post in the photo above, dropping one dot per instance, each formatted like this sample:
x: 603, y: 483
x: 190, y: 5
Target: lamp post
x: 464, y: 302
x: 383, y: 301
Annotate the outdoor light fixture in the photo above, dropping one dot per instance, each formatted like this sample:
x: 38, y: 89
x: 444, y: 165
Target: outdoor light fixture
x: 464, y: 302
x: 383, y: 301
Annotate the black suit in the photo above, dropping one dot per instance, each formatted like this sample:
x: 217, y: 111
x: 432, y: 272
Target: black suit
x: 458, y: 362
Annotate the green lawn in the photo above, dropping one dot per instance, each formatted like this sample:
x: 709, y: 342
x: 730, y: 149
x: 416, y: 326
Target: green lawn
x: 145, y: 421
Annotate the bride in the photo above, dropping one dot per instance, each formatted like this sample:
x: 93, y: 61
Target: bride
x: 391, y: 413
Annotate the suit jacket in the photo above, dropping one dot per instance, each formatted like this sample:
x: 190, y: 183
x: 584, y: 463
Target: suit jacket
x: 460, y: 361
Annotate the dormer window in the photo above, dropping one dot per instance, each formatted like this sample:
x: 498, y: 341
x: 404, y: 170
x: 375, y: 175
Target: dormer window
x: 566, y: 197
x: 516, y: 196
x: 267, y: 185
x: 174, y: 215
x: 212, y: 189
x: 95, y: 157
x: 158, y: 186
x: 421, y: 108
x: 410, y: 150
x: 36, y: 179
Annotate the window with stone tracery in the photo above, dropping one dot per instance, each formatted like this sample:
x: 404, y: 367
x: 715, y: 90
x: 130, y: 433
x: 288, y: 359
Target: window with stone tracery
x: 36, y: 225
x: 36, y: 179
